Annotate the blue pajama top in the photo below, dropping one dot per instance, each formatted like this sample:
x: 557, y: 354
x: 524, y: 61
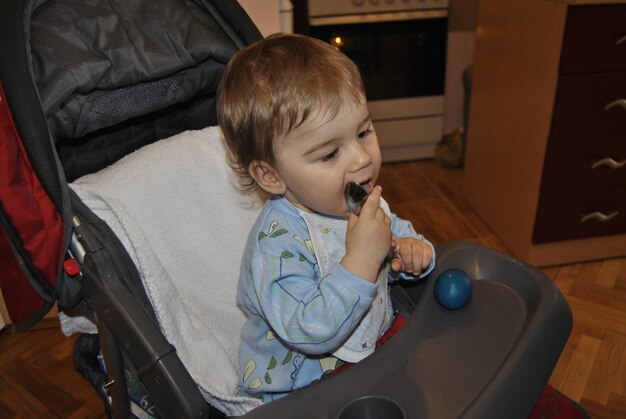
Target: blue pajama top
x: 300, y: 313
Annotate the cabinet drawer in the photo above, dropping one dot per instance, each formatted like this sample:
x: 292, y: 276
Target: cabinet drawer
x: 590, y: 41
x: 560, y: 214
x: 589, y: 104
x: 584, y: 162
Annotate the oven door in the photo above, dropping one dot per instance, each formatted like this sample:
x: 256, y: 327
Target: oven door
x: 402, y: 58
x: 399, y: 54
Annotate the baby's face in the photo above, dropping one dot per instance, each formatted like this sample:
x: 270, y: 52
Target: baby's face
x: 320, y: 157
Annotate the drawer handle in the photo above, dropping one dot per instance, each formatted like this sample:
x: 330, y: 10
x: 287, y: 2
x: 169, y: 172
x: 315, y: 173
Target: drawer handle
x: 607, y: 161
x: 621, y: 40
x: 599, y: 216
x: 619, y: 102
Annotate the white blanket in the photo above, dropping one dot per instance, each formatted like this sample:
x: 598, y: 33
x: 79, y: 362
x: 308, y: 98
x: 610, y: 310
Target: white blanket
x: 176, y: 208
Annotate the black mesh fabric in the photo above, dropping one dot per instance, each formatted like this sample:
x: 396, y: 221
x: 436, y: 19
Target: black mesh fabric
x: 116, y: 75
x: 108, y: 108
x: 102, y: 148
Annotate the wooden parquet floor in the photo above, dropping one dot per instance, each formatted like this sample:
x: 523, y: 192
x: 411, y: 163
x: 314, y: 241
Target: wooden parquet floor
x: 37, y: 378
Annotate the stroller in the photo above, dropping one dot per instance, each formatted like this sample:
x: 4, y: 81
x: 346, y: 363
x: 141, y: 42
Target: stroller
x: 99, y: 96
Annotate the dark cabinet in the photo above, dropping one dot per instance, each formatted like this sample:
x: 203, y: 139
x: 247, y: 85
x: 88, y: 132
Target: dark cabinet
x: 546, y: 159
x: 583, y: 188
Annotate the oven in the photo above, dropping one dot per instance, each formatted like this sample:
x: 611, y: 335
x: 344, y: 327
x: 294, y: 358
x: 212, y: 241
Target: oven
x: 400, y: 48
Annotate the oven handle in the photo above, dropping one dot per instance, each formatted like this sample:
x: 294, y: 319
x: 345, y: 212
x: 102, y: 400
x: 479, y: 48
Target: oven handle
x: 377, y: 17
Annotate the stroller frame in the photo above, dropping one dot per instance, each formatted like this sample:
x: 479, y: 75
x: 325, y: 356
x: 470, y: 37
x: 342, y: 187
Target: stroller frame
x: 154, y: 359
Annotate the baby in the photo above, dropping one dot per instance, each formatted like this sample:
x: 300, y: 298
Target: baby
x: 314, y: 277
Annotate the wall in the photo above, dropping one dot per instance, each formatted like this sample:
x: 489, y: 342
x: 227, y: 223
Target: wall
x: 270, y: 16
x: 461, y: 39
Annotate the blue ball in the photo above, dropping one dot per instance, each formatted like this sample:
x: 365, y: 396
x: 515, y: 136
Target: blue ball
x: 453, y: 289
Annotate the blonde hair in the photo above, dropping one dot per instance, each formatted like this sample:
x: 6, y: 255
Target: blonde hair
x: 273, y: 86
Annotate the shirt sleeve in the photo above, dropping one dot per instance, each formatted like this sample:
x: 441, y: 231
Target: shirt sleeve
x: 310, y: 313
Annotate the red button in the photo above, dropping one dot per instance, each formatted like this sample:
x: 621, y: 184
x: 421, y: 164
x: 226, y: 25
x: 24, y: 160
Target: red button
x: 71, y: 267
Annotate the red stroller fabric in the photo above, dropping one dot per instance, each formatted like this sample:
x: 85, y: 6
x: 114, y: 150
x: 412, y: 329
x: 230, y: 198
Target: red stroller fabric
x: 36, y: 220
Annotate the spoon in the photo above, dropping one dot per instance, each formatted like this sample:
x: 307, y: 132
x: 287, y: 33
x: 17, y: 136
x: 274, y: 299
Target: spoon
x: 355, y: 195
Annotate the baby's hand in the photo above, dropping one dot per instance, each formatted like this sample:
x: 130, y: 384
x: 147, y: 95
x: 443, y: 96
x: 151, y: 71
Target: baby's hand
x: 368, y: 239
x: 413, y: 255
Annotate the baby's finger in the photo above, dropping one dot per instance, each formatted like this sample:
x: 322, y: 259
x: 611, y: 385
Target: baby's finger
x: 395, y: 245
x: 416, y: 266
x: 427, y: 257
x: 412, y: 257
x: 407, y: 257
x: 422, y: 257
x: 371, y: 203
x: 397, y: 265
x: 352, y: 218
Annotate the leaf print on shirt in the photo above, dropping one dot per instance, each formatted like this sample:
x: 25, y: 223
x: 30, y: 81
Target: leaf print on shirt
x: 271, y: 231
x: 329, y: 363
x: 307, y: 243
x: 272, y: 363
x: 287, y: 358
x: 249, y: 369
x: 255, y: 384
x: 271, y: 366
x: 286, y: 254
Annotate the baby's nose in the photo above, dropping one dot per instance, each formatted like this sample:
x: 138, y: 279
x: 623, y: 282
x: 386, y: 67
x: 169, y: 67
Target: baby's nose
x: 361, y: 158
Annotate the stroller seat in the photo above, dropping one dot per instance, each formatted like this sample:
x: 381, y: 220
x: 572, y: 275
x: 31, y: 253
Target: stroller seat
x: 176, y: 208
x: 187, y: 243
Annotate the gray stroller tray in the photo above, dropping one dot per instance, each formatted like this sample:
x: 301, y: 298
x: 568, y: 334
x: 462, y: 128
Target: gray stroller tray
x: 481, y: 361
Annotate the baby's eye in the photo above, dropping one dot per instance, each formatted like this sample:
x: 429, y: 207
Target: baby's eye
x: 329, y: 156
x: 361, y: 136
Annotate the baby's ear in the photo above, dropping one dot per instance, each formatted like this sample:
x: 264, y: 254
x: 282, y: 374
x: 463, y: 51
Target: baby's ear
x: 267, y: 177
